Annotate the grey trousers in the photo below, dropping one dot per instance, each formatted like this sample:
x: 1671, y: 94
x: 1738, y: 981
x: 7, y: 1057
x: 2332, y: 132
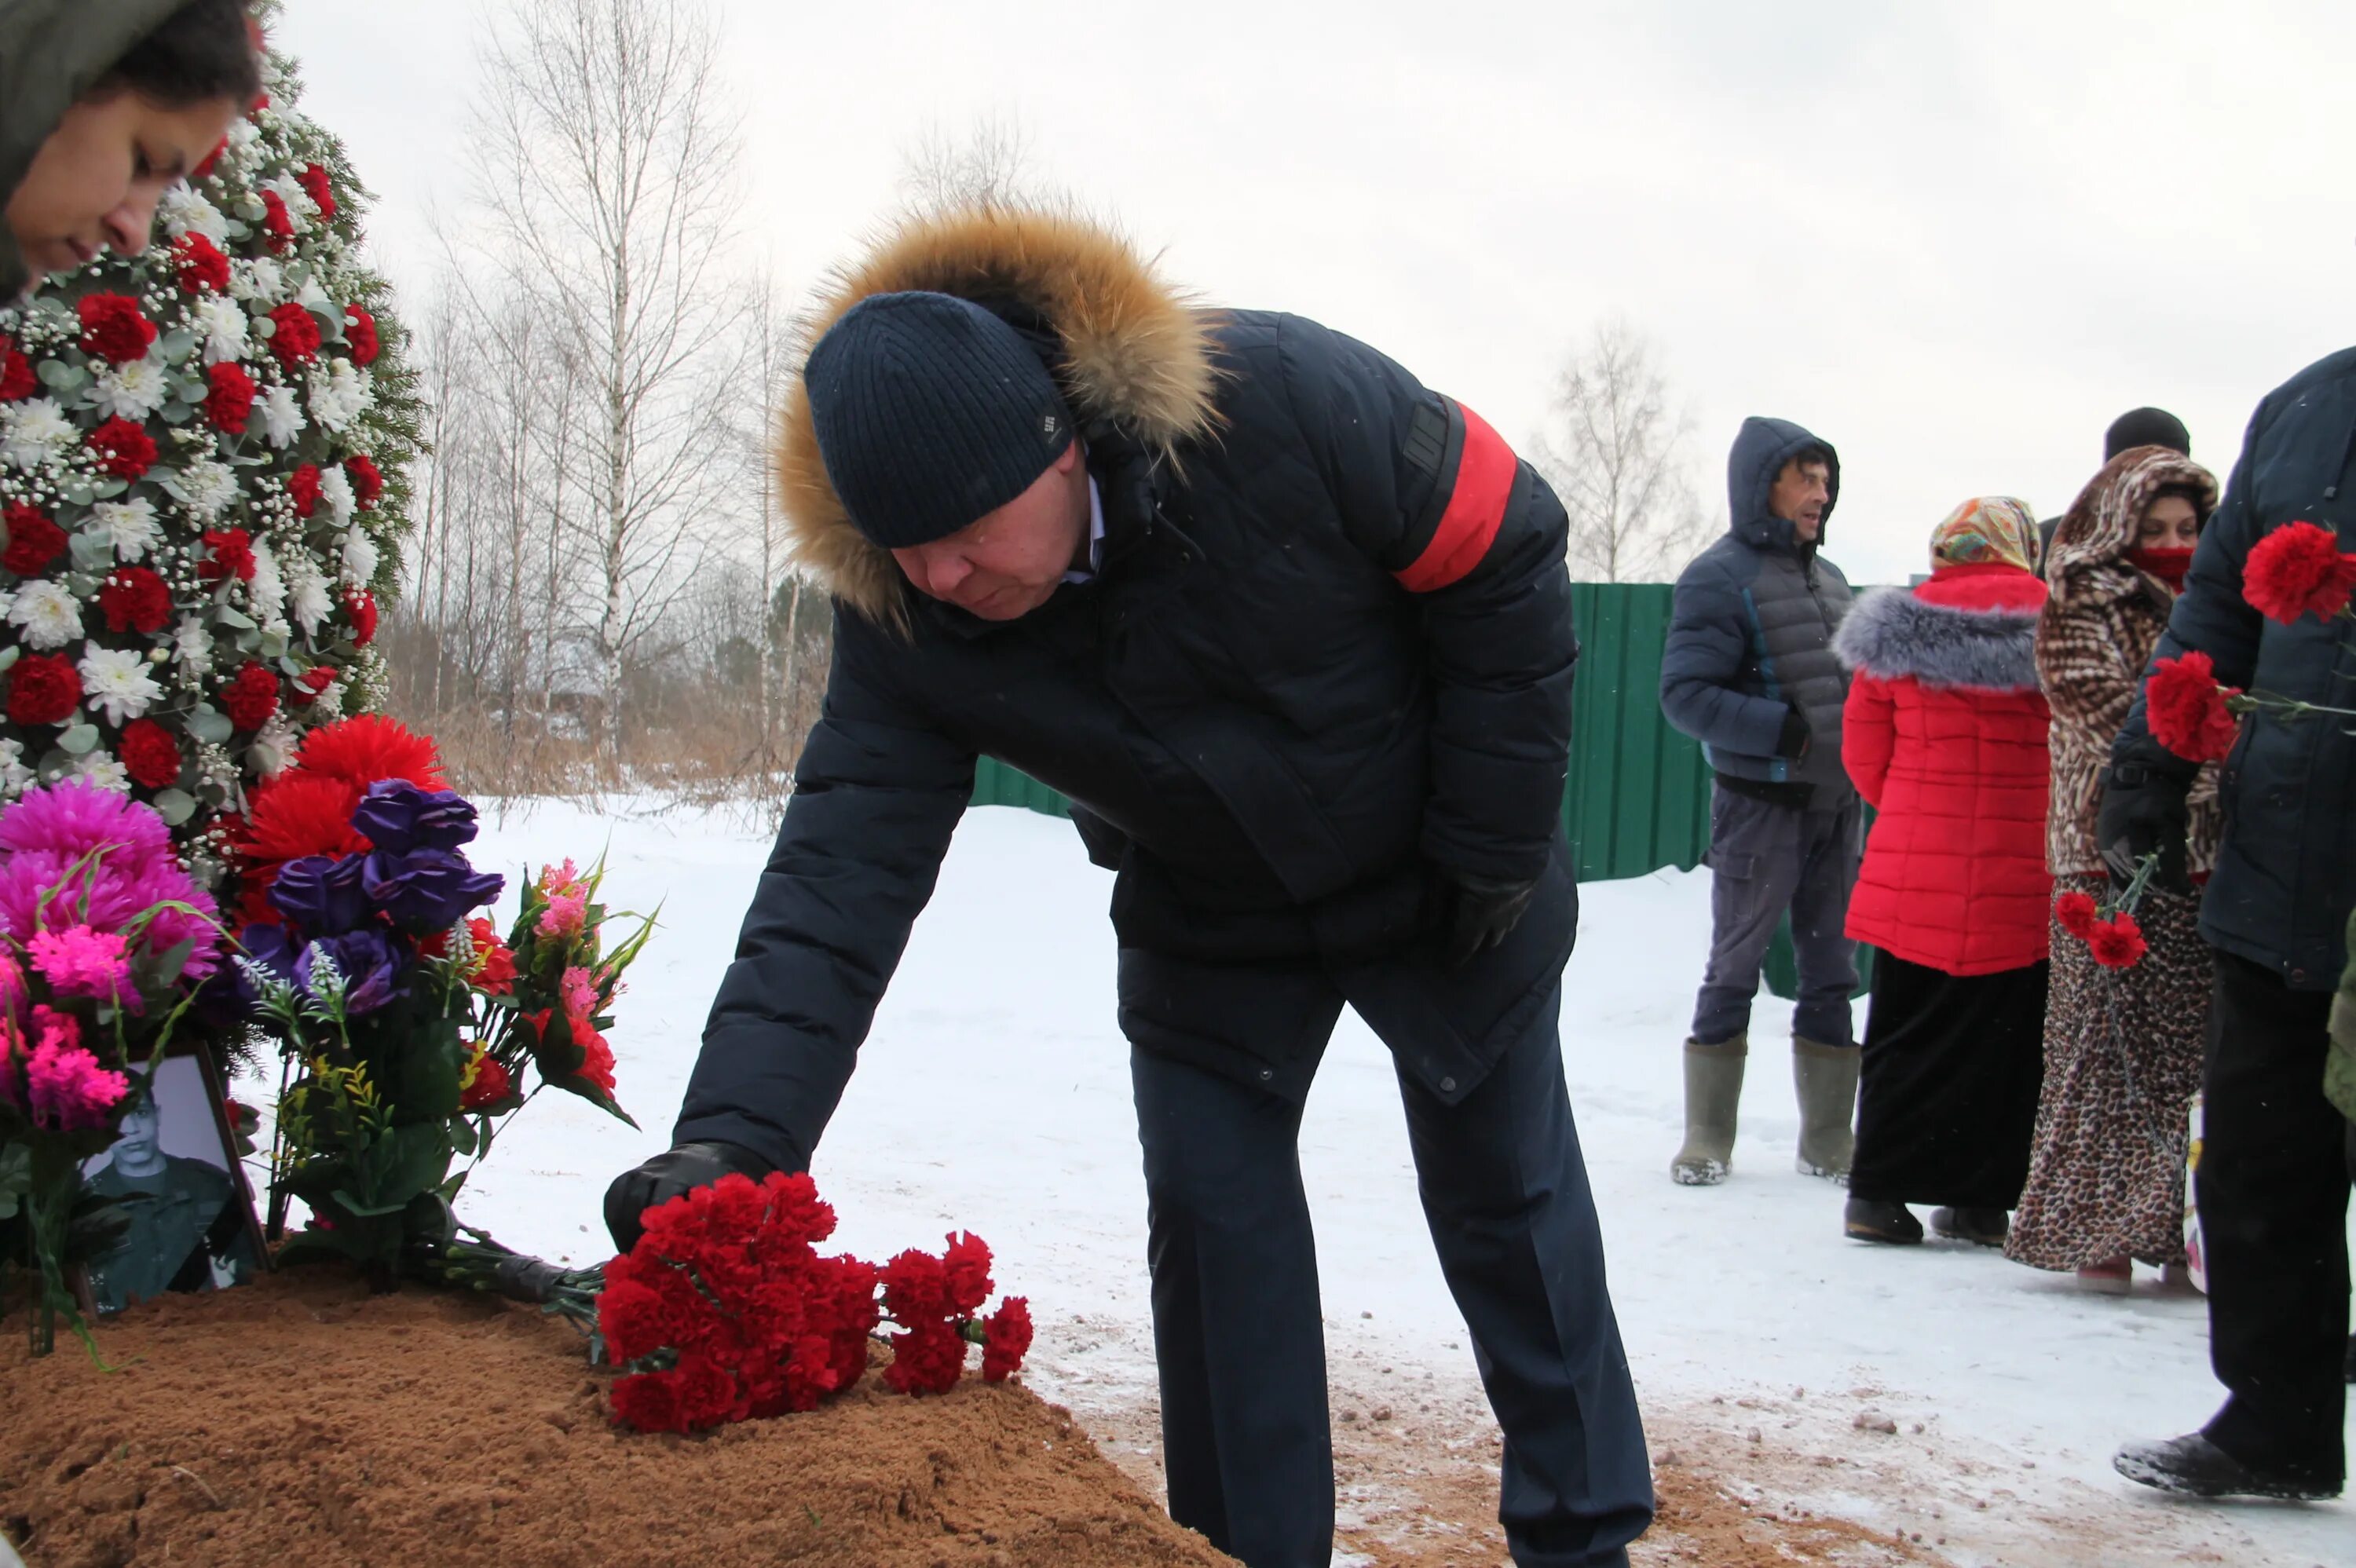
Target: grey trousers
x: 1766, y: 857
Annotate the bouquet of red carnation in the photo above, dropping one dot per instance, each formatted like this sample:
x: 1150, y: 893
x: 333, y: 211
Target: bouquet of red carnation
x: 724, y: 1311
x: 2109, y: 928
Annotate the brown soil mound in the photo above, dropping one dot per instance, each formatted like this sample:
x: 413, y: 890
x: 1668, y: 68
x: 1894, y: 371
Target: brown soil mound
x: 301, y: 1420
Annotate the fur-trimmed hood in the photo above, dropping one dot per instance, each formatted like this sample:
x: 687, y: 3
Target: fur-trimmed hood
x: 1132, y: 351
x: 1985, y: 641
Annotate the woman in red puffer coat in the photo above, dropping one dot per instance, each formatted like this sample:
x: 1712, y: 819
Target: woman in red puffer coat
x: 1945, y: 736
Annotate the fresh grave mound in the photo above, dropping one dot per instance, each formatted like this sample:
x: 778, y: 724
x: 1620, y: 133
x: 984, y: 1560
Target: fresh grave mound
x: 302, y: 1419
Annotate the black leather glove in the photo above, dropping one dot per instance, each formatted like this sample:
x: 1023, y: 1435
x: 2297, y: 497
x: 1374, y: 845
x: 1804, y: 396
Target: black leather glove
x: 2143, y: 812
x: 1476, y: 912
x: 1794, y: 741
x: 666, y: 1176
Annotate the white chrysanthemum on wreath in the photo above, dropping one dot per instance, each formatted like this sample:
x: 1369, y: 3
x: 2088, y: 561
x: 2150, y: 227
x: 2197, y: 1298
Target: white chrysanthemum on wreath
x: 192, y: 645
x: 127, y: 527
x: 336, y: 489
x: 273, y: 745
x: 339, y: 394
x: 265, y: 593
x: 132, y: 391
x: 103, y: 769
x: 49, y: 617
x: 206, y: 488
x: 14, y: 775
x: 310, y: 597
x: 300, y: 210
x: 224, y: 327
x: 360, y: 559
x: 33, y: 433
x: 258, y: 279
x: 183, y: 210
x: 282, y: 417
x: 115, y: 682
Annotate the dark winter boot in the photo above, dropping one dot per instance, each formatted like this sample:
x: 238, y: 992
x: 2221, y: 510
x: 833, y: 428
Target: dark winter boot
x: 2193, y: 1467
x: 1826, y: 1078
x: 1713, y: 1090
x: 1982, y: 1227
x: 1893, y: 1223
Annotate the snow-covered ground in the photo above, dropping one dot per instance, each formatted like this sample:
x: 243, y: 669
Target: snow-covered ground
x: 994, y: 1096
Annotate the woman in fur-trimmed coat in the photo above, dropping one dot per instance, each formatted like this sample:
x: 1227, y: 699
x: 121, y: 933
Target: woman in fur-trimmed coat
x: 2123, y: 1048
x: 1945, y: 735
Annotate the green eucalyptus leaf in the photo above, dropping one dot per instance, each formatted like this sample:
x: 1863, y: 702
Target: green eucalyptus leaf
x: 176, y: 806
x: 229, y: 615
x: 249, y: 642
x: 78, y: 491
x: 179, y: 345
x: 108, y: 488
x: 275, y: 644
x: 80, y: 741
x: 9, y: 656
x: 208, y: 725
x: 178, y: 413
x: 65, y: 378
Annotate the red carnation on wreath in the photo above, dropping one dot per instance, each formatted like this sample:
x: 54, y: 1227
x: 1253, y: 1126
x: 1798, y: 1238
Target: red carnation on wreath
x: 150, y: 754
x: 228, y: 552
x: 303, y: 489
x: 114, y: 329
x: 34, y: 540
x: 43, y: 689
x: 211, y: 161
x: 2117, y: 941
x: 123, y: 449
x: 294, y: 335
x: 322, y: 191
x: 360, y: 336
x: 252, y: 699
x: 2299, y: 570
x: 203, y: 268
x: 230, y: 405
x: 2076, y: 913
x: 2188, y: 708
x: 311, y: 683
x: 134, y: 598
x: 277, y: 223
x: 18, y: 382
x: 361, y: 606
x: 368, y: 480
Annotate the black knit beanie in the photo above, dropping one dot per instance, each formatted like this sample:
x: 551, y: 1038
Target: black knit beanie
x: 2145, y: 427
x: 931, y: 413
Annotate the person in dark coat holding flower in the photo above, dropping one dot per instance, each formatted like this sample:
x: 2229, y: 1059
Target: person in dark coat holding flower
x: 2272, y: 1186
x: 1293, y: 633
x: 1944, y: 736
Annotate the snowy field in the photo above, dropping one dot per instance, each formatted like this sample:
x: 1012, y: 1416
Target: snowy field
x: 994, y: 1096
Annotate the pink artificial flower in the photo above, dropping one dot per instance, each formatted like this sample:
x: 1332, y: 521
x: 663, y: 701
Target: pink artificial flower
x: 70, y: 1091
x: 79, y: 961
x: 579, y: 994
x: 564, y: 879
x: 566, y: 915
x: 13, y: 995
x: 74, y: 854
x: 13, y: 1053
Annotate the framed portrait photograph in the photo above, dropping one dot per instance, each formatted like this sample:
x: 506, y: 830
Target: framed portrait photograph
x: 192, y: 1217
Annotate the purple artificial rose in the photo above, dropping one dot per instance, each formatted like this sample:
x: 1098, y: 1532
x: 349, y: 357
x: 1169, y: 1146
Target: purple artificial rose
x: 427, y: 890
x: 369, y: 962
x: 398, y: 818
x: 322, y: 894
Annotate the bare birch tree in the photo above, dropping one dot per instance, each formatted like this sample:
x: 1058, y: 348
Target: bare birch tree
x: 1614, y: 448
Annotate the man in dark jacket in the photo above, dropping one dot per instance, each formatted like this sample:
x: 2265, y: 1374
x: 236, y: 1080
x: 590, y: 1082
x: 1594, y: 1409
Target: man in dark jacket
x: 1294, y: 635
x: 2272, y: 1186
x: 1748, y: 671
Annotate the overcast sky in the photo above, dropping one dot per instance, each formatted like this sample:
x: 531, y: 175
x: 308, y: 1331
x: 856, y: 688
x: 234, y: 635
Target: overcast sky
x: 1953, y: 239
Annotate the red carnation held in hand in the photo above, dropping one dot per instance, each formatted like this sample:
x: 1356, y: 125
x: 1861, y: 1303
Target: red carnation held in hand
x: 360, y: 335
x: 150, y: 754
x: 203, y: 269
x: 2076, y: 913
x: 122, y: 448
x: 252, y: 699
x: 230, y: 405
x: 43, y: 689
x: 295, y: 337
x: 18, y: 382
x: 2187, y: 708
x: 228, y: 552
x: 114, y: 329
x: 2117, y: 941
x: 2299, y: 570
x: 134, y: 598
x: 34, y: 540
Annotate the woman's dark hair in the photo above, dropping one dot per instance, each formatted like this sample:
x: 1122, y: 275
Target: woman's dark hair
x: 202, y: 51
x: 2189, y: 493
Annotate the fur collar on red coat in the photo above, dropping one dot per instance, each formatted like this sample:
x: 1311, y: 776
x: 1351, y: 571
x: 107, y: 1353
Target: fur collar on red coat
x: 1967, y: 626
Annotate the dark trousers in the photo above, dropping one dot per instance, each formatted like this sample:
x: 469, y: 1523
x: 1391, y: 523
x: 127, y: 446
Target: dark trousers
x: 1765, y: 858
x: 2272, y: 1184
x: 1238, y: 1330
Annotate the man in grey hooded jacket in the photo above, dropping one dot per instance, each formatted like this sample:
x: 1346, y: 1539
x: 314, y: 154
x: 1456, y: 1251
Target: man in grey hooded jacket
x: 1748, y: 671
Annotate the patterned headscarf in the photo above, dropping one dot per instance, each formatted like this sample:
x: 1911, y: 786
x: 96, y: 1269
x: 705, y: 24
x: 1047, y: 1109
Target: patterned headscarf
x: 1987, y: 530
x: 2090, y: 552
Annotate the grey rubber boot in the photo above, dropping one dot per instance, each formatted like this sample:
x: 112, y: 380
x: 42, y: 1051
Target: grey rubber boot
x: 1713, y: 1090
x: 1826, y: 1078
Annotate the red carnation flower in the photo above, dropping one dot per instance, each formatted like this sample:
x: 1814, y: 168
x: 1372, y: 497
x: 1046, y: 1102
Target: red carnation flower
x: 18, y: 382
x: 322, y: 189
x: 2187, y: 708
x: 2297, y: 570
x: 491, y: 1085
x: 228, y: 552
x: 964, y: 1275
x: 135, y: 600
x: 928, y: 1358
x: 311, y: 682
x: 368, y: 480
x: 360, y: 335
x: 230, y: 405
x: 295, y: 337
x: 43, y: 689
x: 150, y: 754
x: 252, y: 699
x: 277, y: 223
x: 2117, y: 943
x: 211, y: 161
x: 2076, y: 914
x: 34, y: 540
x: 303, y: 489
x: 361, y: 606
x: 1006, y: 1340
x: 114, y: 329
x: 202, y: 267
x: 495, y: 964
x: 122, y: 448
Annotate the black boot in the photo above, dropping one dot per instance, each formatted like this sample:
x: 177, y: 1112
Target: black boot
x: 1984, y: 1227
x: 2193, y: 1467
x: 1891, y: 1222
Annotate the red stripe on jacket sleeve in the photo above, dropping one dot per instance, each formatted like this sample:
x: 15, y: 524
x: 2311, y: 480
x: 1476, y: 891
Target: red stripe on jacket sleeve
x: 1476, y: 509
